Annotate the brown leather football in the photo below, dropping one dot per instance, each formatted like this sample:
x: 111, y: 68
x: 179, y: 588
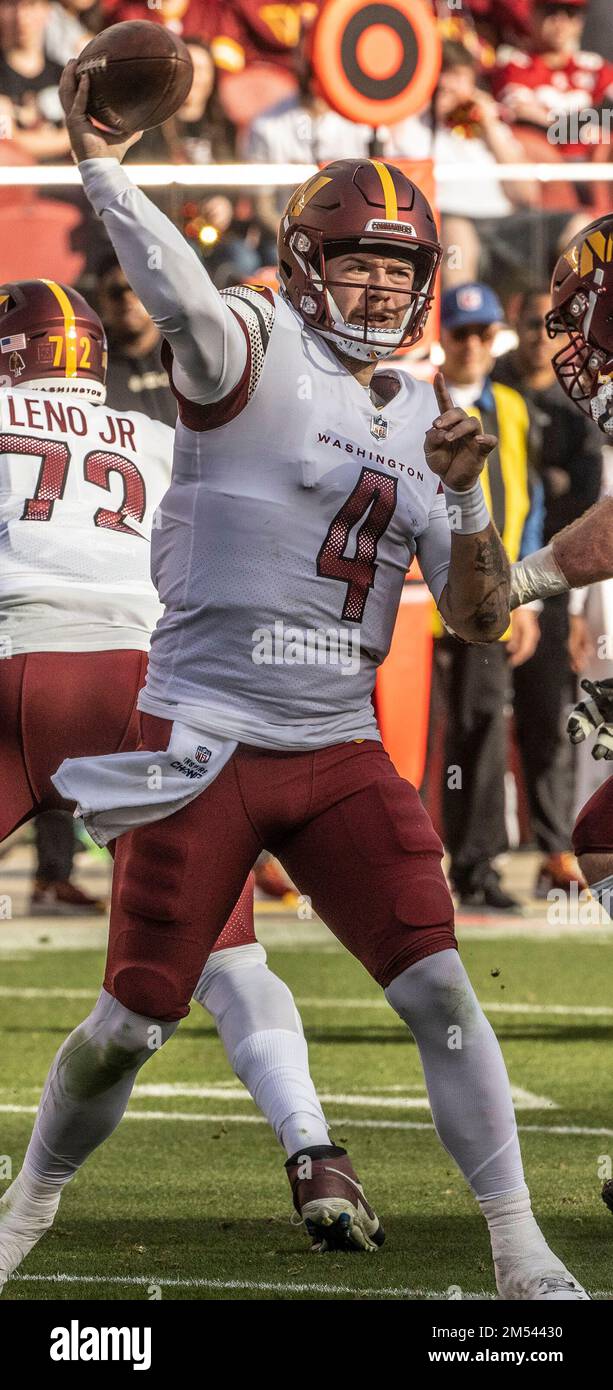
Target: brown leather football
x: 140, y: 74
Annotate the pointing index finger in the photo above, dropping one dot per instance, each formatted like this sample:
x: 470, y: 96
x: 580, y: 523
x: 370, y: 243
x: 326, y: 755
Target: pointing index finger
x: 442, y: 394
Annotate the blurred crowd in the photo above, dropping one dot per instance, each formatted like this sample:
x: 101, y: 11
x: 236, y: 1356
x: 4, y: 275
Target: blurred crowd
x: 522, y: 81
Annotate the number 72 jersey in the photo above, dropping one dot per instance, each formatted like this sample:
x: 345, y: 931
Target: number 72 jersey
x: 79, y: 485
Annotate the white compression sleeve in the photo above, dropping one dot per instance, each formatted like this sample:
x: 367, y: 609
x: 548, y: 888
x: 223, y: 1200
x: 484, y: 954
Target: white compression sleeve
x: 208, y: 344
x: 467, y: 1083
x: 260, y: 1028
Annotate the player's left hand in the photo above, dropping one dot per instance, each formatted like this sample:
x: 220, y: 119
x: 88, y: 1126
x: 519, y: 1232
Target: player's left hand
x: 594, y: 715
x: 455, y: 447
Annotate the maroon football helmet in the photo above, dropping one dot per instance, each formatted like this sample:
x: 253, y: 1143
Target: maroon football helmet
x: 351, y: 205
x: 582, y: 309
x: 51, y: 340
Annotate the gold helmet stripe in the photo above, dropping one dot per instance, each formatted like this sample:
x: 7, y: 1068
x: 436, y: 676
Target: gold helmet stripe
x: 389, y: 191
x: 306, y: 192
x: 70, y: 331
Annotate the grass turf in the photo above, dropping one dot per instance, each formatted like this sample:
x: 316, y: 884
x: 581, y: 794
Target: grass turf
x: 198, y: 1208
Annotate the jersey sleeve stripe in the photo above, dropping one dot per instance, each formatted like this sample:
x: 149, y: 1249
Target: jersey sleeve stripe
x: 210, y: 417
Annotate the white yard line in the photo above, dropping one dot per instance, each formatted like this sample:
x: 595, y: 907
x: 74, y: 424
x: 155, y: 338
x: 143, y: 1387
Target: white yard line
x: 524, y: 1100
x: 338, y: 1121
x: 315, y: 1002
x: 47, y: 934
x: 258, y: 1286
x: 255, y: 1285
x: 167, y: 1090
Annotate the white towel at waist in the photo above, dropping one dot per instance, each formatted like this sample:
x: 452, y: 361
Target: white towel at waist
x: 117, y: 792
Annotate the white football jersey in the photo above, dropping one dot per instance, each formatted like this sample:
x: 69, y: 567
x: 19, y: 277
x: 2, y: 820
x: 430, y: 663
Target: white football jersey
x: 79, y: 485
x: 293, y: 515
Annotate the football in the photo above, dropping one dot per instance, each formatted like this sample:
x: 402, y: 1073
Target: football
x: 139, y: 73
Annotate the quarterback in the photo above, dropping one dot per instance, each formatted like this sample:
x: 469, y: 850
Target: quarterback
x: 304, y: 483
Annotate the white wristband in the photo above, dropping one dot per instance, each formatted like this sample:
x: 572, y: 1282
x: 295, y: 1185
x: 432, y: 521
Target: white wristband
x: 467, y: 511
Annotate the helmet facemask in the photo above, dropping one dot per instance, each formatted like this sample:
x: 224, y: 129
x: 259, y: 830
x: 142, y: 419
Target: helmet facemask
x: 320, y: 310
x: 581, y: 369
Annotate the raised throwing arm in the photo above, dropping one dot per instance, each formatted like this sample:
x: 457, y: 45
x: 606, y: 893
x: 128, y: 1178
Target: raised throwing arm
x: 208, y: 343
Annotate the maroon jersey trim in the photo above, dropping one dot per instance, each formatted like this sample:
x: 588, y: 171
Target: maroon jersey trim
x: 210, y: 417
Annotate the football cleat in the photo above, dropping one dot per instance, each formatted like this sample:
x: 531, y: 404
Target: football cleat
x: 330, y: 1200
x: 532, y: 1280
x: 23, y: 1220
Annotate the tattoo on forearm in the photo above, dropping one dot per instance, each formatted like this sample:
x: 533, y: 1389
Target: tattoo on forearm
x: 492, y: 611
x: 489, y: 559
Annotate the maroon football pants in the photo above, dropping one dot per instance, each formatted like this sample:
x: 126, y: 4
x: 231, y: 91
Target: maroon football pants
x: 352, y: 834
x: 56, y: 705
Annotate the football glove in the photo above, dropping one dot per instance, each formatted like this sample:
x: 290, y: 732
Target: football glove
x: 594, y: 716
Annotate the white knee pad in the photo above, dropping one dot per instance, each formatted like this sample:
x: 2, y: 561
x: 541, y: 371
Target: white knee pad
x: 123, y: 1040
x: 436, y: 991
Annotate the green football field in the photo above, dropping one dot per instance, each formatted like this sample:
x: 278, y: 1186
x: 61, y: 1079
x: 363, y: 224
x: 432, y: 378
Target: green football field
x: 189, y: 1199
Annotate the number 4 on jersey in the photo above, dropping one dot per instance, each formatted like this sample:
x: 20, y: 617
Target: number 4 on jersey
x: 377, y: 492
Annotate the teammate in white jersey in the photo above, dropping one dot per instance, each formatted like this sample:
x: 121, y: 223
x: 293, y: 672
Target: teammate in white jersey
x: 303, y: 485
x: 79, y: 487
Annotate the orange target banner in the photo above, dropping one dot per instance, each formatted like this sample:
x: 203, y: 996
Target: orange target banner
x: 378, y: 62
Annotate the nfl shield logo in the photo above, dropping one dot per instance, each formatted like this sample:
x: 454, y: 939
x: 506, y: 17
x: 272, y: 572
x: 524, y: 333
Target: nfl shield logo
x: 378, y: 427
x: 16, y: 364
x: 202, y: 754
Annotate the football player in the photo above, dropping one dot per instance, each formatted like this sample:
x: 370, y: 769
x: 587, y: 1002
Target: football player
x: 79, y: 486
x: 303, y: 485
x: 582, y: 316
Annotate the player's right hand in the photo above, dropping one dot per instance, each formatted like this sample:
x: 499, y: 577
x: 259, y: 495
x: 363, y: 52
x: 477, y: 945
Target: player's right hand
x: 87, y: 141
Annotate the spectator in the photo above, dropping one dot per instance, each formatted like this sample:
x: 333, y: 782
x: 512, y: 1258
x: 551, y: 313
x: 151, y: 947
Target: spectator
x: 241, y: 32
x: 200, y: 133
x: 301, y: 129
x: 136, y: 379
x: 29, y: 79
x: 464, y: 126
x: 482, y: 24
x: 188, y: 18
x: 555, y: 81
x: 54, y: 894
x: 477, y: 678
x: 70, y: 26
x: 569, y: 458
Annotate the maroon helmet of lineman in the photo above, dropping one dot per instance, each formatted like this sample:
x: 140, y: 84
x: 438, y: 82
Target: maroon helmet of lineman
x: 51, y: 340
x: 582, y: 310
x: 366, y: 205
